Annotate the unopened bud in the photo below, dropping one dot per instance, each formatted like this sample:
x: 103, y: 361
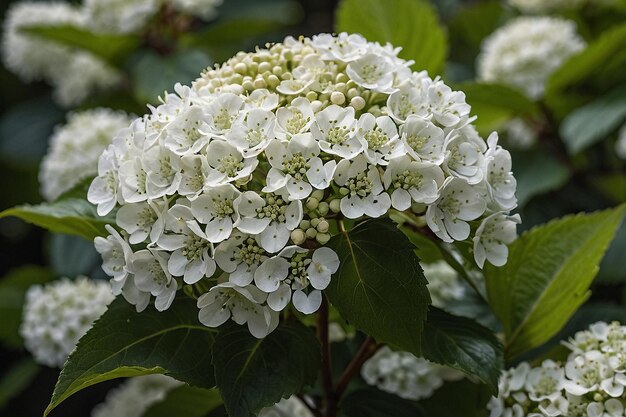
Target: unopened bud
x: 319, y: 194
x: 335, y: 205
x: 337, y: 98
x: 322, y: 238
x: 311, y: 233
x: 323, y: 226
x: 322, y: 208
x: 315, y: 222
x: 311, y: 203
x: 357, y: 102
x: 298, y: 237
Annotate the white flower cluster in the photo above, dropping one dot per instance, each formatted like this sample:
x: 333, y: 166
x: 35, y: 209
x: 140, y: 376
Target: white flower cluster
x: 526, y: 51
x: 406, y: 375
x: 444, y: 284
x: 74, y: 74
x: 545, y: 6
x: 590, y: 384
x: 125, y: 16
x: 519, y: 134
x: 287, y: 407
x: 135, y: 396
x: 58, y: 314
x: 239, y: 176
x: 75, y: 148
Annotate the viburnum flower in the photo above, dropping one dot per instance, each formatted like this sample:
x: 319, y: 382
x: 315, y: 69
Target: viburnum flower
x: 233, y: 185
x: 527, y: 51
x: 287, y: 407
x: 58, y: 314
x: 492, y: 237
x: 444, y: 284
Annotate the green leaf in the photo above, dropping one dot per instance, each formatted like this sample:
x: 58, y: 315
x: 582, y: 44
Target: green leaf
x: 72, y: 255
x: 410, y: 24
x: 370, y: 402
x: 72, y: 216
x: 463, y: 344
x: 13, y: 289
x: 186, y: 401
x: 590, y: 124
x: 537, y: 173
x: 255, y: 373
x: 459, y: 398
x: 547, y: 276
x: 111, y: 48
x: 16, y: 378
x: 380, y: 286
x: 464, y: 26
x: 124, y: 343
x: 153, y: 74
x: 612, y: 269
x: 612, y: 187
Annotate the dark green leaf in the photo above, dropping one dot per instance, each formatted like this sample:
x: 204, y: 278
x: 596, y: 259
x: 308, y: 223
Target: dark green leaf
x: 124, y: 343
x: 186, y: 401
x: 16, y: 378
x: 489, y: 14
x: 72, y: 216
x: 612, y: 266
x: 497, y: 96
x: 111, y: 48
x: 255, y: 373
x: 380, y: 286
x: 463, y: 344
x: 153, y: 74
x: 72, y: 255
x: 593, y: 122
x: 612, y: 187
x: 410, y: 24
x: 456, y: 399
x: 537, y: 173
x: 371, y: 402
x: 547, y: 276
x: 13, y: 289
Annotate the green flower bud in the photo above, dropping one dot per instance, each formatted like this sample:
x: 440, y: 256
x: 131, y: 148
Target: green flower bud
x: 323, y: 208
x: 298, y: 236
x: 337, y: 98
x: 305, y: 224
x: 323, y: 226
x: 335, y: 205
x: 357, y: 102
x: 311, y: 203
x: 315, y: 222
x: 322, y: 238
x: 311, y: 233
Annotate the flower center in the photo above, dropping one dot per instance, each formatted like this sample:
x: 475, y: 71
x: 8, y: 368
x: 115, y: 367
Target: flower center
x: 223, y: 208
x: 297, y: 166
x: 230, y: 165
x: 405, y: 107
x: 223, y: 120
x: 194, y: 247
x: 274, y: 209
x: 360, y: 185
x: 297, y: 122
x: 407, y: 180
x: 337, y: 135
x: 371, y: 73
x: 249, y: 252
x: 298, y: 270
x: 376, y: 138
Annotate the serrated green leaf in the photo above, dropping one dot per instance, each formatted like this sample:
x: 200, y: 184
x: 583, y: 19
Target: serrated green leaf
x: 186, y: 401
x: 547, y: 276
x: 112, y: 48
x: 255, y: 373
x: 463, y: 344
x: 410, y: 24
x: 380, y: 286
x: 72, y: 216
x: 16, y: 378
x: 370, y: 402
x: 591, y: 123
x: 537, y: 173
x: 13, y: 289
x: 124, y: 343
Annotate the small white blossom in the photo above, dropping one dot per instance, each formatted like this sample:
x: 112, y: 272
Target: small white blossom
x: 492, y: 237
x: 335, y: 131
x: 409, y: 181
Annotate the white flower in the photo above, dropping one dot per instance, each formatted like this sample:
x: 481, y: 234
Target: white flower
x: 163, y: 172
x: 373, y: 72
x: 195, y: 171
x: 412, y: 181
x: 458, y: 203
x: 363, y: 190
x: 215, y: 208
x: 585, y: 373
x: 545, y: 382
x: 252, y: 135
x: 191, y: 250
x: 58, y: 314
x: 611, y: 408
x: 151, y: 275
x: 294, y: 119
x: 464, y: 156
x: 184, y: 134
x: 492, y: 237
x: 117, y: 16
x: 272, y: 217
x: 500, y: 180
x: 240, y: 255
x: 223, y: 112
x: 75, y: 148
x: 242, y: 304
x: 287, y: 407
x: 379, y: 137
x: 526, y: 52
x: 405, y: 375
x: 335, y: 131
x: 135, y: 396
x: 103, y: 191
x: 519, y: 134
x: 227, y: 164
x: 344, y: 47
x: 422, y: 140
x: 296, y: 165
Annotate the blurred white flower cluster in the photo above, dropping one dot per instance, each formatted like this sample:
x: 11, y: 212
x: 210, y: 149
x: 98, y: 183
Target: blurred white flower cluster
x: 125, y: 16
x: 590, y: 384
x: 58, y: 314
x: 287, y: 407
x: 444, y: 284
x: 406, y: 375
x: 545, y: 6
x: 239, y: 177
x: 135, y: 396
x: 75, y: 147
x: 76, y: 74
x: 73, y: 73
x: 526, y: 51
x: 620, y: 145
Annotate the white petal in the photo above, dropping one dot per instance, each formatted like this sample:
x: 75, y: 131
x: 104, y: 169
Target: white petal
x: 270, y: 273
x: 307, y: 304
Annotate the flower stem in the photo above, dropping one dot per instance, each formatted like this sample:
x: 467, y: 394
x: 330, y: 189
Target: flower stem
x: 327, y: 373
x: 366, y: 351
